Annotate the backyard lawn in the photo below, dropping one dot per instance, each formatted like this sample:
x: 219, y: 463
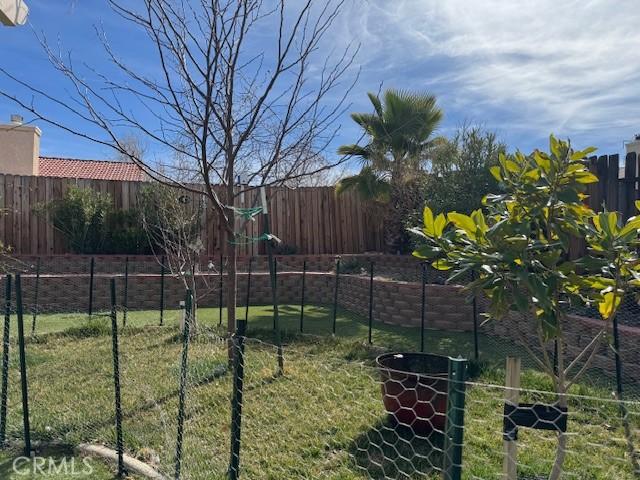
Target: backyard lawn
x: 322, y: 419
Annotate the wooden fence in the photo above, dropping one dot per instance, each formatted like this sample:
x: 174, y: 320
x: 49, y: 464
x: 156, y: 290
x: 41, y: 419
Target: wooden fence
x: 618, y: 186
x: 312, y: 219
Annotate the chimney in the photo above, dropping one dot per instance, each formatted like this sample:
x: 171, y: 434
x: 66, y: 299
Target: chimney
x: 634, y: 145
x: 19, y: 148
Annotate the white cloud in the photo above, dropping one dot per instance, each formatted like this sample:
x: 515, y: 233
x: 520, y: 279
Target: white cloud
x: 547, y: 65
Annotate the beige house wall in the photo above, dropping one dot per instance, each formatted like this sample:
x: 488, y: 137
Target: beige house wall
x: 19, y: 149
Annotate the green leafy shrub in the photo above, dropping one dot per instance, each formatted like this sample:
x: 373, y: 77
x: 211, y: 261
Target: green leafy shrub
x: 80, y: 215
x: 284, y: 249
x: 124, y: 233
x: 91, y: 225
x: 519, y: 246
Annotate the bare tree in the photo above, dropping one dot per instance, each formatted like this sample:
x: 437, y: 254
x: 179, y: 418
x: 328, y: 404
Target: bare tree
x: 244, y: 86
x: 133, y: 148
x: 173, y: 223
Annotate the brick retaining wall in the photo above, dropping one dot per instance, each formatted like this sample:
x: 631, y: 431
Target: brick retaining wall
x: 395, y: 302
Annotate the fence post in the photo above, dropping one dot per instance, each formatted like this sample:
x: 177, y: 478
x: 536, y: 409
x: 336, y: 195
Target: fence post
x: 246, y: 312
x: 23, y: 368
x: 236, y: 400
x: 35, y: 298
x: 183, y: 381
x: 511, y: 396
x: 335, y: 296
x: 423, y: 305
x: 116, y: 379
x: 454, y: 428
x: 370, y: 301
x: 125, y: 300
x: 476, y: 347
x: 5, y: 360
x: 220, y: 287
x: 162, y: 273
x: 304, y: 276
x: 92, y: 267
x: 273, y: 272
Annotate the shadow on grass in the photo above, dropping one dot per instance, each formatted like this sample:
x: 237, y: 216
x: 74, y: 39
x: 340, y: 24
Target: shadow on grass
x: 394, y: 451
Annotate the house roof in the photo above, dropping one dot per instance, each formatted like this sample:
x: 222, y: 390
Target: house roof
x: 90, y: 169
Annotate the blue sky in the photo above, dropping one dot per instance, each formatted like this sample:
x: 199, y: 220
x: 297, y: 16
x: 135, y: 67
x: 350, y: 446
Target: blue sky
x: 522, y: 68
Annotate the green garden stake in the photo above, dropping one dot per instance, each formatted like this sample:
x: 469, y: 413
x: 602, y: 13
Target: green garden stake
x: 35, y: 299
x: 272, y: 273
x: 246, y: 312
x: 335, y: 297
x: 476, y: 347
x: 92, y: 267
x: 304, y: 275
x: 5, y: 360
x: 162, y: 273
x: 275, y: 289
x: 370, y: 302
x: 220, y: 288
x: 454, y: 427
x: 23, y: 368
x: 125, y: 300
x: 183, y: 381
x: 116, y: 380
x: 423, y: 305
x: 616, y: 347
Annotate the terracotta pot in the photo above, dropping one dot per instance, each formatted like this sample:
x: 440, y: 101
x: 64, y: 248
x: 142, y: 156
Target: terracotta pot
x: 414, y: 389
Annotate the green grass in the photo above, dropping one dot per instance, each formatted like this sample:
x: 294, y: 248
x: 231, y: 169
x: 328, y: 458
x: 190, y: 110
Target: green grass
x: 322, y: 419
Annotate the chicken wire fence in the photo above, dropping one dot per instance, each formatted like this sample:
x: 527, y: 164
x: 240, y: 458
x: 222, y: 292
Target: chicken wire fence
x: 331, y: 412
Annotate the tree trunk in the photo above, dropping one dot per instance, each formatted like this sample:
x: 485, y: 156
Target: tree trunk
x: 232, y: 295
x: 561, y: 449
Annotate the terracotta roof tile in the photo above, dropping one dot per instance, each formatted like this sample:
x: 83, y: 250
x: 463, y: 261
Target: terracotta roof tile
x: 91, y: 169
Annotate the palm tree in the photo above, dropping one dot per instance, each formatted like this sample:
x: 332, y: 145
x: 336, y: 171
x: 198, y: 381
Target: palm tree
x: 400, y: 133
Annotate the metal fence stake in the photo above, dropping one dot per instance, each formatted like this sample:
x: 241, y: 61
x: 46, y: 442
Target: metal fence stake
x: 476, y: 347
x: 116, y: 380
x: 246, y: 312
x: 220, y: 288
x: 5, y: 360
x: 370, y: 302
x: 125, y: 300
x: 423, y: 305
x: 162, y: 273
x: 304, y: 278
x: 35, y: 298
x: 183, y: 381
x: 454, y: 428
x: 92, y: 267
x: 335, y: 297
x: 23, y: 368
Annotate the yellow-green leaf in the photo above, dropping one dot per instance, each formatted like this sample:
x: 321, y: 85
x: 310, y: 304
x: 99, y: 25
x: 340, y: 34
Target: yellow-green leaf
x: 580, y: 154
x: 511, y: 166
x: 495, y: 171
x: 427, y: 218
x: 438, y: 225
x: 543, y: 161
x: 478, y: 218
x: 441, y: 265
x: 585, y: 177
x: 463, y: 222
x: 632, y: 224
x: 608, y: 305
